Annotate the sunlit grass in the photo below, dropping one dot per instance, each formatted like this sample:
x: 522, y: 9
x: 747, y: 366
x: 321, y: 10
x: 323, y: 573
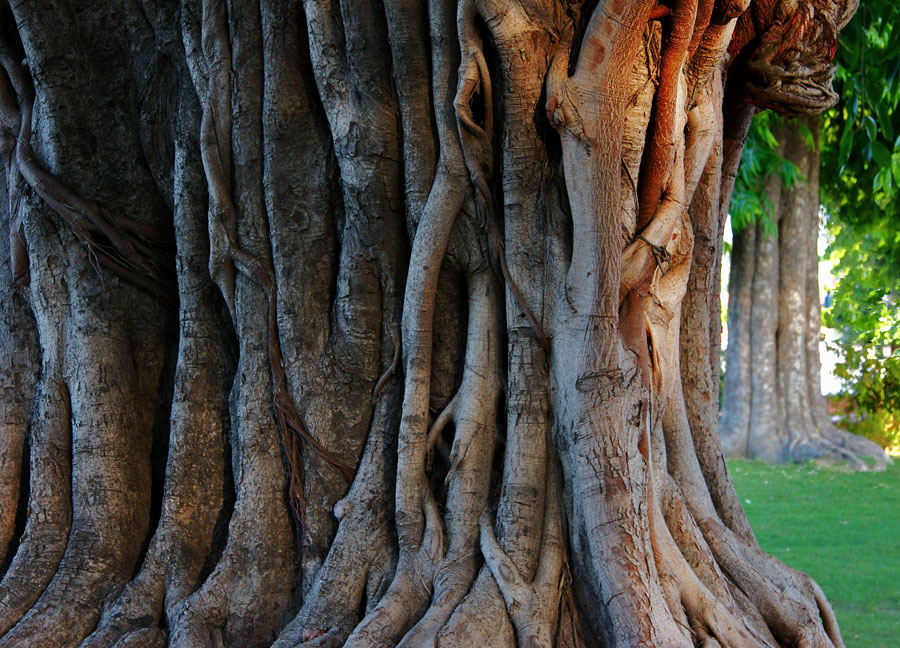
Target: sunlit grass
x: 840, y: 527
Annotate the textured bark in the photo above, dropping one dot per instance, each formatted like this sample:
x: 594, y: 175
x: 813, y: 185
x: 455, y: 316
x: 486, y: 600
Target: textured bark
x: 380, y: 323
x: 773, y: 407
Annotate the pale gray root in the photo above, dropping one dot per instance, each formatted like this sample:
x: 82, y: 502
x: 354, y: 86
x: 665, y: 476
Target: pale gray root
x: 481, y: 618
x: 391, y: 618
x: 533, y: 606
x: 528, y: 204
x: 113, y: 351
x: 208, y: 53
x: 410, y: 588
x: 326, y: 354
x: 429, y: 248
x: 602, y: 444
x: 360, y: 106
x: 93, y: 562
x: 244, y: 599
x: 408, y: 33
x: 441, y: 571
x: 468, y: 473
x: 110, y: 437
x: 195, y: 466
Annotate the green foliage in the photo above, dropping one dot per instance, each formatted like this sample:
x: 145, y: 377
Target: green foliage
x: 839, y: 527
x: 860, y: 143
x: 859, y: 191
x: 760, y: 160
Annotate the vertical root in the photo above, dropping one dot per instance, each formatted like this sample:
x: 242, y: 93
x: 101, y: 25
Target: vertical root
x: 533, y: 606
x: 246, y: 596
x: 468, y: 477
x: 195, y: 467
x: 49, y: 503
x: 110, y: 437
x: 361, y: 549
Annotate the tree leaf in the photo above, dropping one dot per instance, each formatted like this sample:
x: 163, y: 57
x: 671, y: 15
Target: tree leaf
x: 846, y: 144
x: 881, y: 155
x: 884, y: 121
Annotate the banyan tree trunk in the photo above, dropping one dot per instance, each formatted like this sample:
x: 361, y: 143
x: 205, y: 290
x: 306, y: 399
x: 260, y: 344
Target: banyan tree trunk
x: 772, y: 403
x: 384, y: 323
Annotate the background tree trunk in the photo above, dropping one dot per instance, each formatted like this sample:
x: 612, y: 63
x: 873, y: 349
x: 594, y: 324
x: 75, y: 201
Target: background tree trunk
x: 364, y: 323
x: 772, y: 403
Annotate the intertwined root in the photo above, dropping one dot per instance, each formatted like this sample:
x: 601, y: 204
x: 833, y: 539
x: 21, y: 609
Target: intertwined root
x: 574, y: 247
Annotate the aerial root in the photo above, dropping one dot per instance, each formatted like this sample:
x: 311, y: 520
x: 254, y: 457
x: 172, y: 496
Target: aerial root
x: 437, y: 428
x: 533, y: 606
x: 330, y: 639
x: 786, y: 599
x: 49, y: 508
x: 123, y: 625
x: 359, y: 560
x: 409, y: 591
x: 138, y: 253
x: 712, y: 621
x: 198, y: 620
x: 385, y: 379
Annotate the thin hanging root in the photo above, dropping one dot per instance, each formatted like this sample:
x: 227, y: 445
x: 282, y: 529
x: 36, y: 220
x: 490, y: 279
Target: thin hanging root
x: 226, y: 253
x: 474, y: 77
x: 382, y: 383
x: 361, y: 549
x: 437, y: 428
x: 140, y: 254
x: 285, y: 408
x: 215, y: 154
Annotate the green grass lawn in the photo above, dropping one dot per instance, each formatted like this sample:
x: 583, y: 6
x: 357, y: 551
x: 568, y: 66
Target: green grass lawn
x: 841, y: 528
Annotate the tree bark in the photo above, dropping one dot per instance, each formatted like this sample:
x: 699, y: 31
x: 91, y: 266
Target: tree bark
x: 772, y: 404
x: 380, y: 323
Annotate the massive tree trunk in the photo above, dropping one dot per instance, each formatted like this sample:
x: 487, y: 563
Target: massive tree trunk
x: 381, y: 324
x: 772, y: 403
